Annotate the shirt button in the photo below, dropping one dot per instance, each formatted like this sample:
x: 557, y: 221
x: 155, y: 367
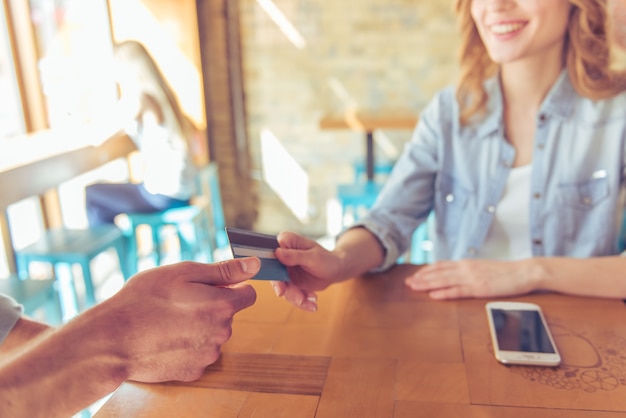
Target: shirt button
x: 537, y: 195
x: 542, y: 117
x: 449, y: 198
x: 540, y: 147
x: 472, y: 251
x: 506, y: 163
x: 587, y: 200
x: 538, y: 242
x: 491, y: 209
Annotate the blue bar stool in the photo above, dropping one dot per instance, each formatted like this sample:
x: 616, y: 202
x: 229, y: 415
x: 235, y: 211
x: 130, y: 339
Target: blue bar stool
x: 422, y: 243
x: 356, y: 198
x: 215, y: 209
x: 199, y: 226
x: 188, y: 222
x: 64, y: 247
x: 382, y: 168
x: 34, y: 295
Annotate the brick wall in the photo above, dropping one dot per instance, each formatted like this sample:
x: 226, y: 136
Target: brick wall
x: 375, y: 54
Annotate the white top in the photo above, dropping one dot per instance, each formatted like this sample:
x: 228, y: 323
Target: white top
x: 509, y: 235
x: 10, y: 312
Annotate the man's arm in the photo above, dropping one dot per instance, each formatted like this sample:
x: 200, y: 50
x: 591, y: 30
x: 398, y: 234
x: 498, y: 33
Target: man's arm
x: 24, y: 331
x: 166, y: 324
x: 59, y: 372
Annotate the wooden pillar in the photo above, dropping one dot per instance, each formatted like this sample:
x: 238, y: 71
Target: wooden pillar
x: 218, y: 27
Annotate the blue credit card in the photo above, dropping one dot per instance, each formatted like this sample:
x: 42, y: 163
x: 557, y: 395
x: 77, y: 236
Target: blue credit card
x: 245, y: 243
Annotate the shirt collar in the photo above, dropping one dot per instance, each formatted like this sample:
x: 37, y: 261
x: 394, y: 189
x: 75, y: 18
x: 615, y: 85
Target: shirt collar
x: 559, y: 101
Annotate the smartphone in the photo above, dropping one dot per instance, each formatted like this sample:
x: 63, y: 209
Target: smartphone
x: 520, y: 334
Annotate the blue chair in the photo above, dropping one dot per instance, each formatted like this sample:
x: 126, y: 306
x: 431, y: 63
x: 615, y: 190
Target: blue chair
x: 621, y: 238
x: 187, y: 220
x: 35, y: 295
x: 421, y: 244
x: 358, y: 197
x: 64, y: 247
x: 381, y: 169
x: 211, y: 192
x: 199, y: 226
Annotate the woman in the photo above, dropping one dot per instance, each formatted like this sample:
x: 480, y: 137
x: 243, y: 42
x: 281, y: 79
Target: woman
x: 163, y: 136
x: 523, y: 164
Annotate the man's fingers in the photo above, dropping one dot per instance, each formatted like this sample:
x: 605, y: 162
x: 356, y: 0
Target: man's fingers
x: 223, y: 273
x: 242, y: 296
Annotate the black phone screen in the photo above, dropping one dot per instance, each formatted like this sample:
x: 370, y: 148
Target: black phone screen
x: 521, y: 330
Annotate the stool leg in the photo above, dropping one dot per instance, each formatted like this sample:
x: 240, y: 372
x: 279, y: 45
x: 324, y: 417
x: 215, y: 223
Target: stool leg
x: 206, y: 238
x: 90, y: 292
x: 187, y: 240
x: 53, y: 310
x: 417, y: 253
x: 121, y: 248
x: 22, y: 263
x: 156, y: 246
x: 132, y: 255
x: 67, y: 290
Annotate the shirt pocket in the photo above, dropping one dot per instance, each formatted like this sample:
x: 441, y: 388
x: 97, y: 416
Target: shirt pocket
x: 451, y: 201
x: 581, y: 203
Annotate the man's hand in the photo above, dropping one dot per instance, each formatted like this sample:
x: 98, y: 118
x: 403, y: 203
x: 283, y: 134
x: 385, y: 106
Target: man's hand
x: 170, y: 322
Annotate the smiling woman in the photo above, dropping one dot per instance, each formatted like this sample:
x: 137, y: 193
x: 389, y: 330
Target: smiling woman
x: 617, y: 33
x: 521, y: 164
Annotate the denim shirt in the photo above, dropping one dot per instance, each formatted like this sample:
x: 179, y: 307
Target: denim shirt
x: 460, y: 171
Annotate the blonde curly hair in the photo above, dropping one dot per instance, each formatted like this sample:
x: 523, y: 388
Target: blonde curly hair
x: 586, y: 54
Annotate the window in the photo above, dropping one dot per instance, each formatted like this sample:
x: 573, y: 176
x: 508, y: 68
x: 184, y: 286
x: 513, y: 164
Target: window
x: 11, y: 121
x: 74, y: 47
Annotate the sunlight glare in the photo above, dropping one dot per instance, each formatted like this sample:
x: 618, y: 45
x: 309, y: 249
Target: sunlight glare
x: 283, y: 23
x: 342, y: 93
x: 285, y: 176
x: 139, y: 23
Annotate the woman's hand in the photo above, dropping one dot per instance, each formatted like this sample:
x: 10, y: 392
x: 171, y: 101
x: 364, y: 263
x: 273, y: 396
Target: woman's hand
x: 475, y: 279
x: 310, y: 266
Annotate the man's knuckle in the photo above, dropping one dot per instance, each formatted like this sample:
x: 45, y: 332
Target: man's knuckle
x: 212, y: 355
x: 226, y: 269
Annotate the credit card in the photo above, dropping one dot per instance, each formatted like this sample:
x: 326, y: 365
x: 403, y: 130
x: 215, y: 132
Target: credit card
x: 245, y: 243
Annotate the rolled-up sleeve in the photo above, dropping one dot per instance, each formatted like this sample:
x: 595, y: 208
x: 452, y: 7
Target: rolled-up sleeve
x: 10, y: 312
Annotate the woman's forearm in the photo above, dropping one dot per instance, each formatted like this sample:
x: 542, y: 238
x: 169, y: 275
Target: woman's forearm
x: 598, y: 276
x: 360, y: 252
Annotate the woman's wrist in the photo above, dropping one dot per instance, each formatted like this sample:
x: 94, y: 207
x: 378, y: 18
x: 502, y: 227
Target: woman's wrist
x: 535, y: 273
x: 343, y: 258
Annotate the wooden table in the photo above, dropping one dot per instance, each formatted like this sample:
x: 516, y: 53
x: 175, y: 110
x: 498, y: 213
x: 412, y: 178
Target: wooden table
x: 375, y: 349
x: 368, y: 122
